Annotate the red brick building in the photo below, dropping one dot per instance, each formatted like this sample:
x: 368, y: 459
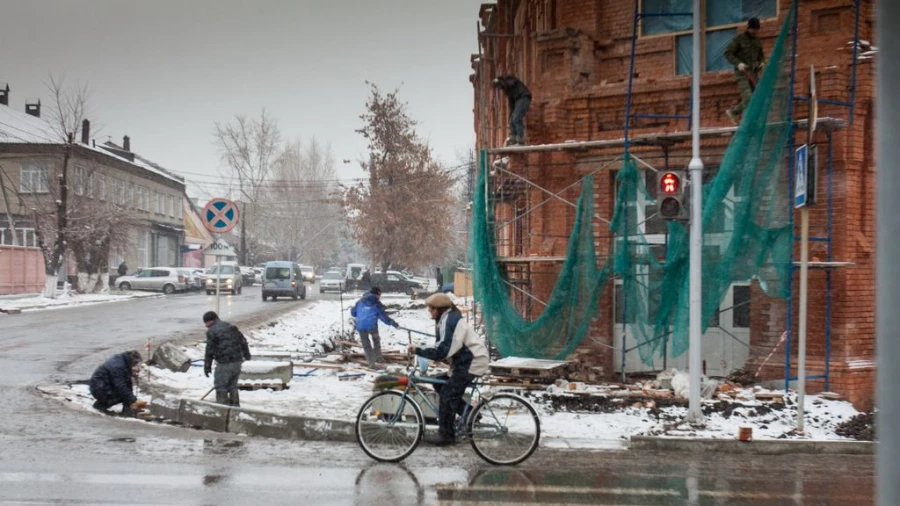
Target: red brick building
x: 575, y: 56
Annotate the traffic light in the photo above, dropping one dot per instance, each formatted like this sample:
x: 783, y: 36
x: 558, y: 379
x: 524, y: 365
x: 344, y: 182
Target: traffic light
x: 670, y: 194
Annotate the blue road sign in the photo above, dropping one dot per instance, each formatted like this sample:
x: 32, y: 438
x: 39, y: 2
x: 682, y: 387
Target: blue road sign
x: 220, y: 215
x: 801, y: 176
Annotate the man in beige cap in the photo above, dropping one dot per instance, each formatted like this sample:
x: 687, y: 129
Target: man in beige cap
x: 458, y: 343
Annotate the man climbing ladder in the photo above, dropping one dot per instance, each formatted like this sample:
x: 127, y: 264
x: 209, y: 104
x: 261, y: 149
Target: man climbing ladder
x: 745, y: 52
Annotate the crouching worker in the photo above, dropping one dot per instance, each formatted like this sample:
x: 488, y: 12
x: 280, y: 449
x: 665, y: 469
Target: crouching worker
x: 228, y: 347
x: 111, y: 383
x: 458, y: 343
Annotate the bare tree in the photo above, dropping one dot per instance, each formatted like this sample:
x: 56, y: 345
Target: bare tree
x: 52, y: 218
x: 402, y: 214
x: 304, y: 213
x: 248, y: 148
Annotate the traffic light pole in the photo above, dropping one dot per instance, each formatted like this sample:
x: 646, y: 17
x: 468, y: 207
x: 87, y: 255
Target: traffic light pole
x: 695, y: 414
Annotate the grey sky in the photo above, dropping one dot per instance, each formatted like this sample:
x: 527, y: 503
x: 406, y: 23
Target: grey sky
x: 163, y: 71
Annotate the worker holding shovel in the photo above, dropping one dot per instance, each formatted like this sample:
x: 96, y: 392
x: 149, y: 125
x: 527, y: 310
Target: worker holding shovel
x: 745, y: 52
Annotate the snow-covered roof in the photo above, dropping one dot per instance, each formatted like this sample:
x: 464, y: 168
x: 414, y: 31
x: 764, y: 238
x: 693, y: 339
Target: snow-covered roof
x: 17, y: 127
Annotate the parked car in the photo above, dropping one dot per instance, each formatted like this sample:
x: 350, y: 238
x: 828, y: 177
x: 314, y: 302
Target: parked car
x: 248, y: 276
x: 165, y: 279
x: 309, y: 274
x: 283, y: 279
x: 332, y: 281
x: 192, y: 278
x: 258, y: 274
x: 228, y: 280
x: 393, y: 281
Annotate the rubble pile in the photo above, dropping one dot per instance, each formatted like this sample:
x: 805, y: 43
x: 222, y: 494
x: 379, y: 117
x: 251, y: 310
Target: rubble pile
x: 861, y: 427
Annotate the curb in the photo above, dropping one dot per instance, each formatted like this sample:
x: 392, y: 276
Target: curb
x: 757, y: 447
x: 252, y: 422
x: 87, y: 302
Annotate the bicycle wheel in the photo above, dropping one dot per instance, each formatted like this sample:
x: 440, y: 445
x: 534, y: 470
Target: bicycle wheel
x: 389, y: 427
x: 505, y: 429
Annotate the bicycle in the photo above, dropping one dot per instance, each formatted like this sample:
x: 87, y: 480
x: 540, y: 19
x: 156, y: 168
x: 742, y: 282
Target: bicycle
x: 503, y: 428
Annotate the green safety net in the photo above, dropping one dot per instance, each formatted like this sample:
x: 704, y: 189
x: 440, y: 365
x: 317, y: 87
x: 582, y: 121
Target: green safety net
x: 747, y: 233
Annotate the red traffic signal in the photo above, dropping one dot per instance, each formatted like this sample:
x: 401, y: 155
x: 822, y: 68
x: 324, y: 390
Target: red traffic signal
x: 670, y: 183
x: 670, y: 195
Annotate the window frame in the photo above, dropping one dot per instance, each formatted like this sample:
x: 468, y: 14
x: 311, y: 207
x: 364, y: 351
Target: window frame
x: 40, y: 169
x: 703, y: 27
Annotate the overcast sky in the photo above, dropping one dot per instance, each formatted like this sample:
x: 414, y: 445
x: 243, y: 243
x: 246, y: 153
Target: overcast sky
x: 164, y: 71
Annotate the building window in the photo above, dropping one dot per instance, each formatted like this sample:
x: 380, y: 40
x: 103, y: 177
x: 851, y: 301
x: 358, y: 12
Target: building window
x: 35, y: 178
x: 132, y: 196
x: 161, y: 203
x: 723, y: 19
x: 101, y: 187
x: 741, y: 311
x: 142, y: 248
x: 179, y: 209
x: 79, y: 181
x: 171, y: 206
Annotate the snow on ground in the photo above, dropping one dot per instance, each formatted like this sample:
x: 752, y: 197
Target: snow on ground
x: 69, y: 299
x: 309, y: 334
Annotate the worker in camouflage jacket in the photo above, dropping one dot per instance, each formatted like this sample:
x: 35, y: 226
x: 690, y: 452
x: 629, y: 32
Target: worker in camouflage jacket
x: 228, y: 347
x: 111, y: 383
x: 745, y: 52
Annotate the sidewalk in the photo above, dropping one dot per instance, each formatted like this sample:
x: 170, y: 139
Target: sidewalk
x: 18, y: 303
x: 322, y: 398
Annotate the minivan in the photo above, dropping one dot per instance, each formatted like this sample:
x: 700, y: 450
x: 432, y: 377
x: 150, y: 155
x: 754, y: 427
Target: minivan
x: 283, y: 279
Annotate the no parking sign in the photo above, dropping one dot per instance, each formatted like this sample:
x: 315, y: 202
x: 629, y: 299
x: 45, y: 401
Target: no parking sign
x: 220, y: 215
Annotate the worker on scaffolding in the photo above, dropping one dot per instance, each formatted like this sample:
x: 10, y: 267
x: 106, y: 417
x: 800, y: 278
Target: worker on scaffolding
x: 745, y: 52
x: 519, y: 97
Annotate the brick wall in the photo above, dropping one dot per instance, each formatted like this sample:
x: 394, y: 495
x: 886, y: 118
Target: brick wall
x: 574, y: 56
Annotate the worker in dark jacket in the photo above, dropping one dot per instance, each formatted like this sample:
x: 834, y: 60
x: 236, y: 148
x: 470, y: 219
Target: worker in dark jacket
x: 228, y: 347
x: 111, y: 383
x: 745, y: 52
x: 519, y: 97
x: 458, y: 343
x: 367, y: 311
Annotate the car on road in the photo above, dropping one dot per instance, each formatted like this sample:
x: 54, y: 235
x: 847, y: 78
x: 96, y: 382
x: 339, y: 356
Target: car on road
x: 396, y: 282
x: 283, y: 279
x: 164, y: 279
x: 229, y: 279
x: 309, y: 274
x: 194, y: 281
x: 331, y: 281
x: 248, y: 276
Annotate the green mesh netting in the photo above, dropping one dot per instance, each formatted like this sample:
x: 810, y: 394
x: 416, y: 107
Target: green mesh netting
x: 747, y: 233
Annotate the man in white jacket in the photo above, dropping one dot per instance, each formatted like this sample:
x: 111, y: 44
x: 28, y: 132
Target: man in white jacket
x: 458, y: 343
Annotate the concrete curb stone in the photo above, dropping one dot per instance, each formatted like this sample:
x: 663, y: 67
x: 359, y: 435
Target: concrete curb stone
x: 757, y: 447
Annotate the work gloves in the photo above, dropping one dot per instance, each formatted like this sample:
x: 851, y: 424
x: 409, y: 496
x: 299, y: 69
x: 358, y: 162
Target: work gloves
x: 395, y: 325
x: 207, y: 371
x: 742, y: 66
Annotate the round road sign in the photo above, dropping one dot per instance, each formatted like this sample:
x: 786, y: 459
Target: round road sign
x: 220, y: 215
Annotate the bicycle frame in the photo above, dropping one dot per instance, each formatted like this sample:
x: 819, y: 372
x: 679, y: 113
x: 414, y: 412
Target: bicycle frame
x: 412, y: 387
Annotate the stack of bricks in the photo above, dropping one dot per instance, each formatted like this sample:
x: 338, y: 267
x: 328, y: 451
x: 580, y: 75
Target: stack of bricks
x: 575, y: 55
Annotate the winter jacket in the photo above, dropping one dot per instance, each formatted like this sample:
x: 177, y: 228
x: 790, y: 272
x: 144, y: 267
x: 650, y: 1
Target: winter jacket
x: 367, y: 311
x: 458, y: 342
x: 745, y: 49
x: 113, y: 380
x: 225, y: 344
x: 514, y: 89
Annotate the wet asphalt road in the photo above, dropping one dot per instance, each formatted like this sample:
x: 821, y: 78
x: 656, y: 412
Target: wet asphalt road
x: 50, y: 454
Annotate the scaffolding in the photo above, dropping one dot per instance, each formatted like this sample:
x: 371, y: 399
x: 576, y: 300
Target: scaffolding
x: 507, y: 186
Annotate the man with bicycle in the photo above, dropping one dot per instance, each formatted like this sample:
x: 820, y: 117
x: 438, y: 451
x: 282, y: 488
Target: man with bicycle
x: 458, y: 343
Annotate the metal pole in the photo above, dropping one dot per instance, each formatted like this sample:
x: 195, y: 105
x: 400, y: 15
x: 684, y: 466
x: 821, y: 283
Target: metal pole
x: 804, y: 261
x: 695, y: 415
x: 801, y: 318
x: 887, y: 270
x: 218, y: 279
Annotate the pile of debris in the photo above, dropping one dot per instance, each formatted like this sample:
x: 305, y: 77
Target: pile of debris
x: 861, y: 427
